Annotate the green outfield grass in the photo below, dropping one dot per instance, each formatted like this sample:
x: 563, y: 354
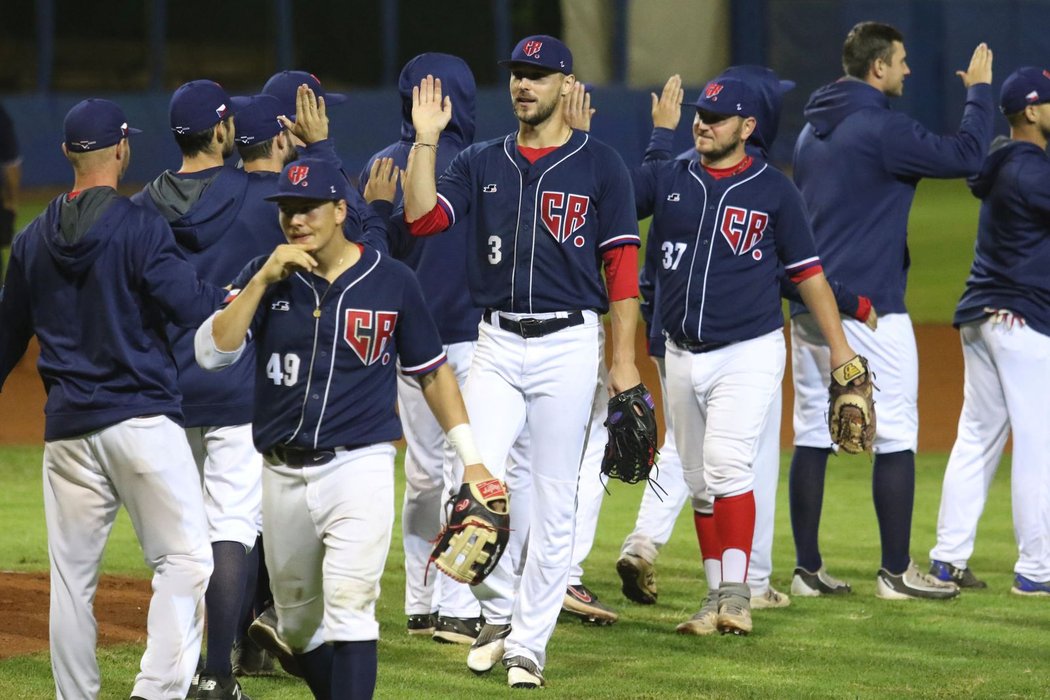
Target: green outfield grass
x: 942, y: 230
x: 985, y: 644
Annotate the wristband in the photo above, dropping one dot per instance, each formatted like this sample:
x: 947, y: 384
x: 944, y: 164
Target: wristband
x: 461, y: 437
x: 424, y: 145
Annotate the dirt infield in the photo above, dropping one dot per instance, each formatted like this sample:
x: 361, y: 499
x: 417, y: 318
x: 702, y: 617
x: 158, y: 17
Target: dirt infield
x: 120, y: 607
x: 940, y: 393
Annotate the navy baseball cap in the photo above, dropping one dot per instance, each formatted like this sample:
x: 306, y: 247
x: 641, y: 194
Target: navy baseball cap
x: 256, y: 119
x: 1025, y: 86
x: 198, y: 105
x: 94, y: 124
x: 310, y: 178
x: 541, y: 51
x: 728, y: 97
x: 284, y: 85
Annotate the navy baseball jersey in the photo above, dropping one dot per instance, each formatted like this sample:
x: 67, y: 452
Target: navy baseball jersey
x: 95, y: 278
x: 718, y: 245
x: 539, y: 229
x: 326, y: 354
x: 1011, y: 264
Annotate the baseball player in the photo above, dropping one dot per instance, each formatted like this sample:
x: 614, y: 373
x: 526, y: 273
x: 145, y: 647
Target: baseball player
x: 550, y: 206
x: 722, y: 228
x: 362, y: 224
x: 330, y: 318
x: 91, y: 277
x: 434, y: 605
x: 1004, y: 320
x: 202, y: 202
x: 10, y: 177
x: 857, y: 163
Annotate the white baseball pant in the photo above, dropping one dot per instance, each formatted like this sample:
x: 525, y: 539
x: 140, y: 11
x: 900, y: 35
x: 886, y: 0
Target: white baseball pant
x: 146, y: 464
x: 231, y: 471
x: 1005, y: 389
x: 591, y: 488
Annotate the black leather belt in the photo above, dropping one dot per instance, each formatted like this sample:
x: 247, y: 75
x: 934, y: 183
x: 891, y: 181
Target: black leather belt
x: 696, y: 347
x: 299, y: 456
x: 534, y: 327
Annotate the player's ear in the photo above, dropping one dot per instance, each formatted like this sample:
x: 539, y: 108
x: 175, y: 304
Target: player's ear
x: 748, y: 128
x: 567, y: 83
x: 340, y: 212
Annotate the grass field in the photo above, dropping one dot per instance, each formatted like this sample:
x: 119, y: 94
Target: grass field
x: 985, y: 644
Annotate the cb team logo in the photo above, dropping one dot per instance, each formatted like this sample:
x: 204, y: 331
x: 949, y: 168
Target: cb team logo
x: 367, y: 333
x: 532, y: 48
x: 743, y: 229
x: 298, y: 173
x: 564, y: 214
x: 713, y: 90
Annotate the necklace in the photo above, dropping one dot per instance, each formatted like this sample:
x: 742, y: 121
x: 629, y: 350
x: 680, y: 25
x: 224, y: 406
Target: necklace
x: 338, y: 264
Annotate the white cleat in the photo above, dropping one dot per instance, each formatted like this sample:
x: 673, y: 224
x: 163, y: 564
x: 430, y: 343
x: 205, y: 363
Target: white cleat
x: 487, y: 649
x: 523, y: 673
x: 912, y: 584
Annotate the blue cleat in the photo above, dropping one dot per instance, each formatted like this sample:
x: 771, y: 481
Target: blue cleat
x: 963, y: 578
x: 1026, y: 586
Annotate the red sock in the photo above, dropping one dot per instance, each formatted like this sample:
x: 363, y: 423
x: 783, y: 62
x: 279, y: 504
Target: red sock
x: 735, y: 522
x: 707, y: 536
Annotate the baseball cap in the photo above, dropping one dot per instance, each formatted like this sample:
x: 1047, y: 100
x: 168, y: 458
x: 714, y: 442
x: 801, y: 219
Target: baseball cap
x: 310, y: 178
x: 1025, y: 86
x: 542, y: 51
x: 198, y: 105
x: 284, y: 85
x: 728, y: 97
x: 94, y: 124
x: 256, y: 119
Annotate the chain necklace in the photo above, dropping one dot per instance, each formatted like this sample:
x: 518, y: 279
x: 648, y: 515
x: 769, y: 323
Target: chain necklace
x: 338, y: 264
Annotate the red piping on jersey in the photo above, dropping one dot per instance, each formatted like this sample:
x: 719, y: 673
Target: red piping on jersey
x: 804, y: 275
x: 621, y: 272
x: 534, y: 154
x: 719, y: 173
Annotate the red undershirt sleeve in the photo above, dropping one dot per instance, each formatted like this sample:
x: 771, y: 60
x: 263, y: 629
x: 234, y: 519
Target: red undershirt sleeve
x: 434, y: 221
x: 621, y: 272
x: 805, y: 274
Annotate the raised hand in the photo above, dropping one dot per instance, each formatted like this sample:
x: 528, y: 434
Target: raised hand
x: 667, y: 108
x: 577, y: 108
x: 382, y: 180
x: 311, y: 117
x: 980, y: 70
x: 430, y: 112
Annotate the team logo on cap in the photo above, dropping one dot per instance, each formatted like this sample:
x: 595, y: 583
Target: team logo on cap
x: 221, y: 111
x: 297, y: 174
x: 712, y: 91
x: 124, y: 129
x: 532, y: 48
x: 1033, y: 96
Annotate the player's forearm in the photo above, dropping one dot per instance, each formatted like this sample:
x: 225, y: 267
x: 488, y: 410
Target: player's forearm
x: 420, y: 186
x: 817, y: 296
x: 623, y: 316
x: 441, y: 392
x: 230, y: 326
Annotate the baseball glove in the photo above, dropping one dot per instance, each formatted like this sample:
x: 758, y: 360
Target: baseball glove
x: 631, y: 450
x: 851, y: 408
x: 470, y: 546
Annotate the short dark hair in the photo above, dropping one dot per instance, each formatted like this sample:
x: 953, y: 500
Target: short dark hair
x: 198, y: 141
x: 256, y: 151
x: 865, y: 43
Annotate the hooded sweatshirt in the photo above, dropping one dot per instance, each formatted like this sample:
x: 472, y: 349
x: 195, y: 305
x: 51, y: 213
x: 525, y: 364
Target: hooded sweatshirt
x: 94, y: 278
x: 1011, y: 262
x: 203, y: 209
x: 857, y: 163
x: 440, y: 262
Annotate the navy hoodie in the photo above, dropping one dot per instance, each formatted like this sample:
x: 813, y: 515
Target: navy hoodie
x: 94, y: 279
x: 1011, y: 262
x: 204, y: 211
x: 440, y: 262
x: 857, y: 163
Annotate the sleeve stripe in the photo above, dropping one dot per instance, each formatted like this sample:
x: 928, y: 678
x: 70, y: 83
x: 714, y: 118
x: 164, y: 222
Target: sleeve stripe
x: 428, y: 366
x: 808, y: 262
x: 447, y: 206
x: 628, y: 239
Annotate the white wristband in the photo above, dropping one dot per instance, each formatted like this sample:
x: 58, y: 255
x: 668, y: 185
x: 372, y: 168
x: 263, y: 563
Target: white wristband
x: 461, y: 437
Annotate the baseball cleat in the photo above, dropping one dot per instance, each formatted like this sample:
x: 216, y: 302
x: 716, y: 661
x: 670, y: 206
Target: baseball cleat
x: 1026, y: 586
x: 487, y: 649
x: 705, y: 621
x: 584, y: 604
x: 249, y: 659
x: 770, y: 598
x: 457, y: 630
x: 811, y: 584
x: 421, y: 625
x: 638, y: 577
x: 264, y: 633
x: 212, y: 687
x: 912, y: 584
x: 963, y: 578
x: 192, y: 693
x: 734, y: 608
x: 523, y: 672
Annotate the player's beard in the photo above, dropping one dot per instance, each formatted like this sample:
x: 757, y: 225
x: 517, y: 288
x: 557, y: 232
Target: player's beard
x: 543, y: 112
x: 724, y: 150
